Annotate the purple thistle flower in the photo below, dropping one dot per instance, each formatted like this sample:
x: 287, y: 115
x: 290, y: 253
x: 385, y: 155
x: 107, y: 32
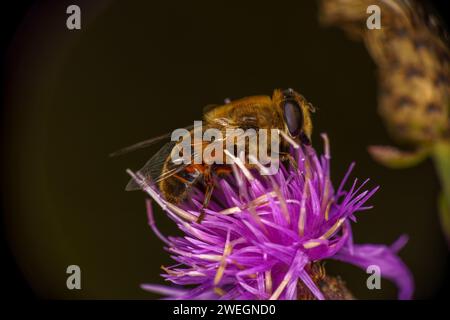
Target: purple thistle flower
x: 264, y: 237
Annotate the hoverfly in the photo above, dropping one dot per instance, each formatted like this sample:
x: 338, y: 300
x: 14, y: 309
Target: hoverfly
x: 286, y: 110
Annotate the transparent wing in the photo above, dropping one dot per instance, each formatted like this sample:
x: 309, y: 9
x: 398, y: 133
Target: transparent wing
x: 153, y: 172
x: 144, y: 144
x: 152, y: 169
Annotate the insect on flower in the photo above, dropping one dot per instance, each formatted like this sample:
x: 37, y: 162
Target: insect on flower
x: 286, y: 110
x: 265, y: 237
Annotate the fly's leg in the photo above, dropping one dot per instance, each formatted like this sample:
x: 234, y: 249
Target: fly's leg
x: 209, y: 183
x: 285, y: 156
x: 305, y: 139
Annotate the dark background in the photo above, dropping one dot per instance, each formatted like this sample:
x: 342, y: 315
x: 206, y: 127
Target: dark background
x: 140, y: 69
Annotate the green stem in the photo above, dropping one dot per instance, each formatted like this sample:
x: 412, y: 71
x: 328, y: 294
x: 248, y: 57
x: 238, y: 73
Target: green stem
x: 441, y: 156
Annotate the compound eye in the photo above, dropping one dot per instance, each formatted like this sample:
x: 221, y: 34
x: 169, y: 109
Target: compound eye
x: 293, y: 117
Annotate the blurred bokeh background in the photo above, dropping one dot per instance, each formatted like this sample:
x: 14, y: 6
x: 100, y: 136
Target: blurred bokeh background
x: 139, y: 69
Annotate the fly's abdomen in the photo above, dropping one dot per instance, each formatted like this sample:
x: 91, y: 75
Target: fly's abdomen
x: 179, y: 181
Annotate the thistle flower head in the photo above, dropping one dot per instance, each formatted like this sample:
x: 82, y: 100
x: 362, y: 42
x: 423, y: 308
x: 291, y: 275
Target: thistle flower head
x: 264, y: 237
